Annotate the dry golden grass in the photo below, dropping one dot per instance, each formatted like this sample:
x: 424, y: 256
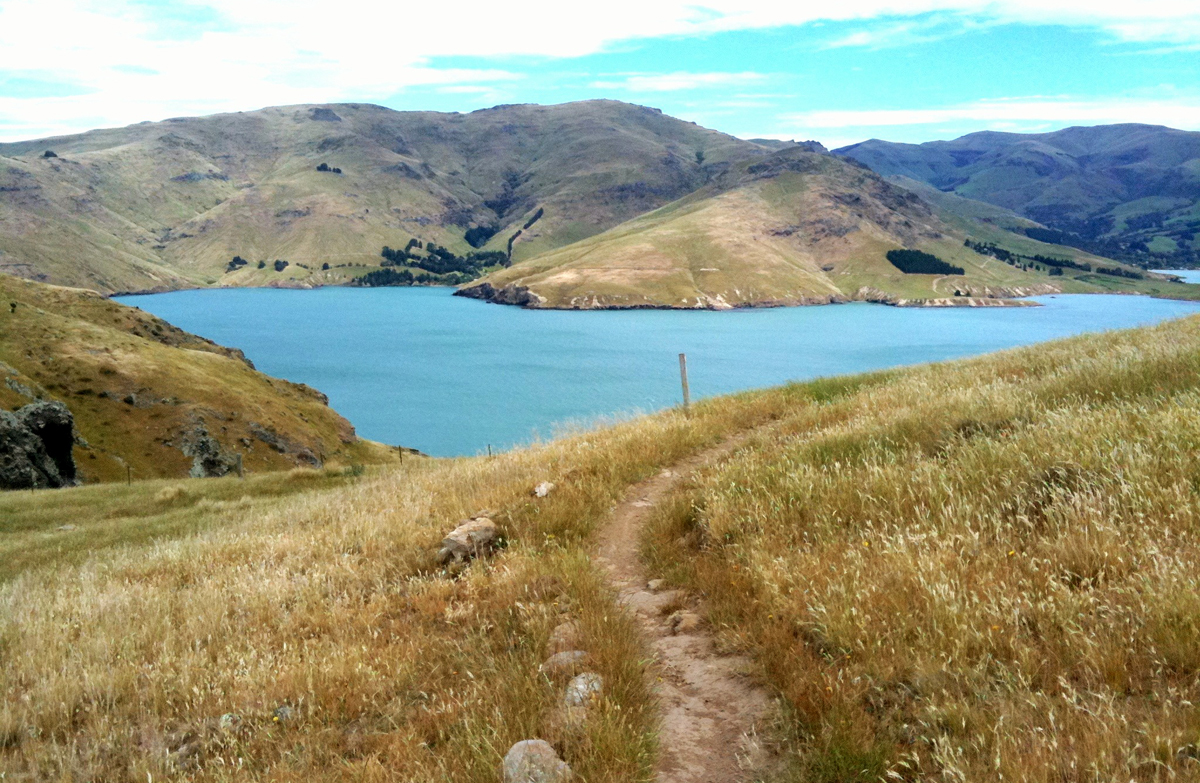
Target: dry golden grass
x: 986, y: 570
x: 329, y: 602
x: 972, y: 571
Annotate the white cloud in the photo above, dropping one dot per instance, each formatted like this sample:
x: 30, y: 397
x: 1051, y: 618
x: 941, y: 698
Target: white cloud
x: 1180, y: 114
x: 677, y: 81
x: 241, y: 54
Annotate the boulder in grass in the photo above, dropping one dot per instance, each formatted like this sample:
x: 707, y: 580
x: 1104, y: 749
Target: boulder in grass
x: 476, y: 537
x: 564, y: 664
x: 565, y: 637
x: 543, y: 489
x: 534, y: 761
x: 583, y: 689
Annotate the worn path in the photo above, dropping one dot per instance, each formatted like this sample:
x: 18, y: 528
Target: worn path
x: 710, y: 708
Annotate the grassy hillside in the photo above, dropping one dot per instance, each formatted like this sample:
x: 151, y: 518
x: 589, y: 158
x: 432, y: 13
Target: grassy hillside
x: 141, y: 389
x: 797, y: 227
x: 1123, y: 191
x: 977, y: 571
x: 169, y: 204
x: 972, y: 570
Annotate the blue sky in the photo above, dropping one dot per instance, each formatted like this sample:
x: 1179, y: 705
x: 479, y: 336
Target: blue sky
x: 905, y: 70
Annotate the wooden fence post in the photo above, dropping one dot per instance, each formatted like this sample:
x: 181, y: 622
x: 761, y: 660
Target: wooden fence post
x: 683, y: 377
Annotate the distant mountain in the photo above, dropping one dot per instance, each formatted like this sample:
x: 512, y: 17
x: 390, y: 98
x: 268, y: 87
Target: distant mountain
x: 1125, y: 191
x: 152, y: 397
x: 801, y: 227
x: 360, y: 194
x: 171, y: 204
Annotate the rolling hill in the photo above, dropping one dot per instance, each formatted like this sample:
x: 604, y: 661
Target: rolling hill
x: 150, y: 397
x: 975, y: 570
x: 1124, y: 191
x: 588, y: 204
x: 169, y: 204
x: 803, y: 227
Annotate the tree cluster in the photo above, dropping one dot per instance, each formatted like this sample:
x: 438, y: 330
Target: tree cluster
x: 479, y: 235
x: 441, y: 261
x: 1054, y: 266
x: 917, y: 262
x: 380, y: 278
x: 536, y: 217
x: 328, y: 168
x: 235, y: 264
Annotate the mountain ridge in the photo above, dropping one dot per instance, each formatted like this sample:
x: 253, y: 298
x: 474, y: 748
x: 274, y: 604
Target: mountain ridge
x: 1129, y: 191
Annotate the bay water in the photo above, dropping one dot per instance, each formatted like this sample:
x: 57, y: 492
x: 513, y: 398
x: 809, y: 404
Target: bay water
x: 451, y: 376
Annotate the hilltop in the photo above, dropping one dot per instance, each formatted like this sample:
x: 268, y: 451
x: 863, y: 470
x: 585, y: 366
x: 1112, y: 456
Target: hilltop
x: 165, y: 205
x: 970, y: 570
x: 151, y: 397
x: 1129, y: 192
x: 803, y: 227
x: 588, y: 204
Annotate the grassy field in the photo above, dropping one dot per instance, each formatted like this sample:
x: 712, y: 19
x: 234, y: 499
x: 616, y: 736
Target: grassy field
x: 327, y: 600
x: 978, y: 570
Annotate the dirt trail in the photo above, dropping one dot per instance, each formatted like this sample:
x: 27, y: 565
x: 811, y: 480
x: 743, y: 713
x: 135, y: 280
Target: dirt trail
x: 710, y: 709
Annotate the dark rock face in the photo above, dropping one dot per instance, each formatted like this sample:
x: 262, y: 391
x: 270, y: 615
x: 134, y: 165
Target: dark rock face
x: 209, y: 460
x: 54, y: 425
x: 510, y: 294
x: 35, y: 447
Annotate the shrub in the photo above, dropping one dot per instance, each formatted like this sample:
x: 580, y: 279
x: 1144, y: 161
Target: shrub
x: 280, y: 266
x: 49, y: 154
x: 916, y: 262
x: 479, y: 235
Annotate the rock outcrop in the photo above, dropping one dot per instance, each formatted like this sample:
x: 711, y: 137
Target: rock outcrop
x: 534, y: 761
x: 209, y: 460
x: 510, y: 294
x: 35, y: 447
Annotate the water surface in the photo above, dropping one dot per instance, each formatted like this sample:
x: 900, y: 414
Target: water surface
x: 449, y: 376
x: 1187, y: 275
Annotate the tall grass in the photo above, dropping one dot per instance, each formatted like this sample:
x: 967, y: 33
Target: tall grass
x: 986, y: 570
x: 172, y: 656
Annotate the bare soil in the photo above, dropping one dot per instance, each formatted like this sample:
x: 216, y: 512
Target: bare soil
x: 710, y: 707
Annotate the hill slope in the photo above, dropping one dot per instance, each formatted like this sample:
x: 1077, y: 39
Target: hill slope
x: 1126, y: 191
x: 970, y: 570
x: 169, y: 204
x: 796, y: 227
x: 147, y: 395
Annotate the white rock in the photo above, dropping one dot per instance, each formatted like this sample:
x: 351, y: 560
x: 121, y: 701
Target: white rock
x: 543, y: 489
x: 583, y: 690
x: 534, y: 761
x: 475, y: 537
x: 656, y: 585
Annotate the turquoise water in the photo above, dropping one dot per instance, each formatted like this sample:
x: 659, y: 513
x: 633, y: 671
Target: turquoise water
x: 1188, y: 275
x: 449, y: 376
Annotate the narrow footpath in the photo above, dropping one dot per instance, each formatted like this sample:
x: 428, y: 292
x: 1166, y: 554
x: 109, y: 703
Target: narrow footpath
x: 710, y: 709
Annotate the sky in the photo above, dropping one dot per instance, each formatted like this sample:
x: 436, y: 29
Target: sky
x: 838, y: 72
